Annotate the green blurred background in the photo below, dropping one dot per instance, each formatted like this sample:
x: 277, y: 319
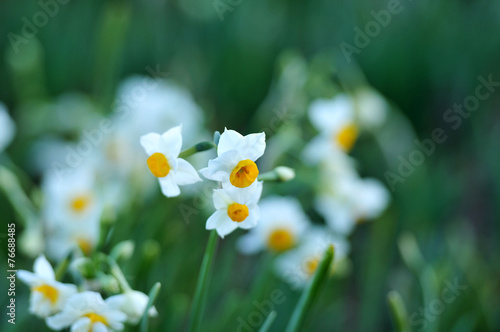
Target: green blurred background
x: 424, y: 61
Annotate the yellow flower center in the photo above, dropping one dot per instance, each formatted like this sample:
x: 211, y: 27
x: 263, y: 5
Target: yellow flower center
x: 310, y: 265
x: 158, y: 165
x: 84, y: 245
x: 48, y: 291
x: 237, y: 212
x: 280, y: 240
x: 95, y: 318
x: 347, y: 136
x: 244, y: 174
x: 80, y: 203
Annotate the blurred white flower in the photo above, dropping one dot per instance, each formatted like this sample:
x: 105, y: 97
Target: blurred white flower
x: 372, y: 108
x: 87, y: 311
x: 71, y: 212
x: 298, y: 265
x: 146, y: 104
x: 132, y: 303
x: 164, y: 162
x: 48, y: 296
x: 235, y: 163
x: 236, y: 208
x: 350, y: 200
x: 336, y: 122
x: 281, y: 226
x: 7, y: 128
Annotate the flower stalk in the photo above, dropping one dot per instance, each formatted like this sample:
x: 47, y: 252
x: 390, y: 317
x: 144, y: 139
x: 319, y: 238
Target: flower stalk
x: 200, y: 147
x: 202, y: 286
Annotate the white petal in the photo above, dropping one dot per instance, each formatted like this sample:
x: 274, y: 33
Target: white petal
x: 317, y: 149
x: 185, y: 173
x: 217, y: 218
x: 219, y: 168
x: 337, y: 215
x: 250, y: 244
x: 253, y: 146
x: 43, y: 268
x: 173, y: 141
x: 168, y: 186
x: 330, y: 114
x: 221, y: 199
x: 250, y: 221
x: 82, y: 325
x: 99, y: 327
x: 28, y: 278
x: 61, y: 320
x: 226, y: 228
x: 229, y: 140
x: 150, y: 142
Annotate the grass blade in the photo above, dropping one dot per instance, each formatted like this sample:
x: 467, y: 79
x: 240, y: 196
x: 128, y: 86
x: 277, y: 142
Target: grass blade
x: 398, y: 312
x: 269, y: 321
x: 310, y: 292
x: 202, y: 285
x: 153, y: 294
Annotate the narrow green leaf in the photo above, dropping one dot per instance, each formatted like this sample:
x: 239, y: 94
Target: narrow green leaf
x: 307, y: 297
x: 197, y: 307
x: 153, y: 294
x: 62, y: 267
x: 398, y: 312
x: 269, y: 321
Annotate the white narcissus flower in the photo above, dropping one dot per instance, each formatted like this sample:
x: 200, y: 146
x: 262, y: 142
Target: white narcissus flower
x: 235, y: 163
x: 164, y: 162
x: 236, y: 208
x: 352, y: 200
x: 282, y: 224
x: 48, y: 296
x: 335, y: 119
x: 132, y: 303
x: 298, y: 265
x: 87, y: 311
x: 7, y: 128
x: 71, y: 211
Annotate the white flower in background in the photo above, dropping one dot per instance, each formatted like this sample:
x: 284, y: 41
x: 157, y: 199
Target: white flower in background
x: 164, y: 162
x: 87, y: 311
x: 235, y: 163
x: 7, y: 128
x: 146, y: 104
x: 351, y: 200
x: 48, y: 296
x: 298, y: 265
x: 71, y: 212
x: 235, y: 209
x: 132, y: 303
x: 281, y: 226
x: 372, y: 108
x: 335, y: 119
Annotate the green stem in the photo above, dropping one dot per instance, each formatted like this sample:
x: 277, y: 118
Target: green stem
x: 202, y: 285
x: 200, y: 147
x: 398, y: 312
x: 307, y: 297
x: 153, y: 294
x: 269, y: 321
x: 118, y: 274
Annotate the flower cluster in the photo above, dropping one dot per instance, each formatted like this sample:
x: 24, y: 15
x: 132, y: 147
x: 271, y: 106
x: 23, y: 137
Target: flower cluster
x: 64, y: 305
x: 235, y: 169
